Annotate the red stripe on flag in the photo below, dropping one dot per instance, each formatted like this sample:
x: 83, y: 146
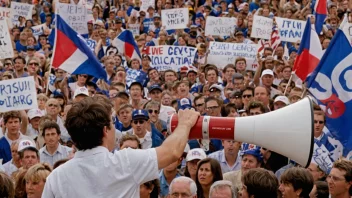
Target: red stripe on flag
x: 129, y: 49
x: 305, y: 64
x: 64, y: 48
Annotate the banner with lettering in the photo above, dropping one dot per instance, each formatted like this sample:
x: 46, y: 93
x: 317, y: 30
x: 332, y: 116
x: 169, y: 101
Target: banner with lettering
x: 220, y: 26
x: 75, y: 16
x: 18, y: 94
x: 166, y: 57
x: 290, y: 30
x: 20, y: 9
x: 221, y: 54
x: 173, y: 19
x: 146, y: 4
x: 5, y: 13
x: 134, y: 28
x: 262, y: 27
x: 6, y: 50
x: 38, y: 30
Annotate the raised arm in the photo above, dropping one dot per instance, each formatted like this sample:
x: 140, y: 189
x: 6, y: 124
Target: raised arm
x: 172, y: 148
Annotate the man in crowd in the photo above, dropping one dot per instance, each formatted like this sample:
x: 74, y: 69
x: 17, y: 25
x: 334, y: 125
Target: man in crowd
x: 28, y: 153
x: 184, y: 187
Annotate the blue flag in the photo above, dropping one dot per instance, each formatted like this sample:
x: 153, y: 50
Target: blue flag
x: 331, y: 85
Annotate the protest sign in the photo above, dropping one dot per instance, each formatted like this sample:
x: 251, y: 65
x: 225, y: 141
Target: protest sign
x: 166, y: 57
x: 6, y: 50
x: 75, y: 16
x: 262, y: 27
x: 20, y: 9
x: 222, y: 54
x: 290, y: 30
x: 38, y: 30
x: 18, y: 94
x: 220, y: 26
x: 146, y: 4
x: 174, y: 19
x: 5, y: 14
x: 134, y: 28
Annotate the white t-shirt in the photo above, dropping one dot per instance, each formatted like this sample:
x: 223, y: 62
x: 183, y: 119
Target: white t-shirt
x: 99, y: 173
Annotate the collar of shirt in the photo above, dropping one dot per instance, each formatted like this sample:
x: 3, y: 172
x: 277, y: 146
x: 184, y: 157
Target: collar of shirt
x: 147, y: 137
x: 89, y: 152
x: 320, y: 137
x: 58, y: 150
x: 223, y: 159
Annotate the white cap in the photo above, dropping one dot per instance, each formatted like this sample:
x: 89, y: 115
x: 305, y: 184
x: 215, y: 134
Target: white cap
x: 216, y: 86
x: 81, y: 91
x: 196, y: 153
x: 268, y: 72
x: 34, y: 113
x: 283, y: 99
x: 25, y: 144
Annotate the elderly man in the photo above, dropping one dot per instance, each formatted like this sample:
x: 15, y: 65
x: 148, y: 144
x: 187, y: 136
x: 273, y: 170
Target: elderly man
x: 184, y: 187
x: 221, y: 189
x: 53, y: 108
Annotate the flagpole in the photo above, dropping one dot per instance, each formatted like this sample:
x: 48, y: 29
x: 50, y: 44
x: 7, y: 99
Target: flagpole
x: 289, y: 82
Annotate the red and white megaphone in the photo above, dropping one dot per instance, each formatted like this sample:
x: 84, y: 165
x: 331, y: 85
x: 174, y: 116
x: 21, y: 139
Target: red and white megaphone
x: 288, y: 131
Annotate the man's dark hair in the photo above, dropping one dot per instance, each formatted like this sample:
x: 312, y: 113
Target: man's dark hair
x: 21, y: 153
x: 197, y: 98
x: 256, y: 104
x: 249, y: 89
x: 211, y: 98
x: 260, y: 183
x: 322, y: 189
x: 11, y: 114
x: 299, y: 178
x: 86, y: 120
x: 50, y: 125
x: 345, y: 165
x: 21, y: 58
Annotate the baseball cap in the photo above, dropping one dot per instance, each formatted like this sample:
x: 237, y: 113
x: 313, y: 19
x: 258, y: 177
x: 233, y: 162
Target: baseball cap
x: 81, y: 91
x: 33, y: 113
x: 25, y: 144
x: 184, y: 103
x: 140, y: 114
x: 255, y: 152
x: 267, y: 72
x: 30, y: 47
x: 196, y: 153
x: 184, y: 69
x: 283, y: 99
x: 156, y: 15
x: 215, y: 86
x: 236, y: 94
x: 155, y: 86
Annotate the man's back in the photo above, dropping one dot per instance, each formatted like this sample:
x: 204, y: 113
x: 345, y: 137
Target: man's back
x: 99, y: 173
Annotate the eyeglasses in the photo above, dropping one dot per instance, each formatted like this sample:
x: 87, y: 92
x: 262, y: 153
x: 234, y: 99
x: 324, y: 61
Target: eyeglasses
x: 36, y: 64
x: 138, y: 121
x: 183, y: 195
x: 151, y: 111
x: 254, y: 113
x: 53, y: 105
x: 200, y: 104
x: 212, y: 108
x: 334, y: 178
x: 246, y: 96
x: 320, y: 122
x: 84, y: 76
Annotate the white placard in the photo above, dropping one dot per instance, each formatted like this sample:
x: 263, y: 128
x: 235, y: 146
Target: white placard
x: 6, y: 50
x: 221, y: 54
x: 5, y: 13
x: 20, y: 9
x: 18, y: 94
x: 134, y: 28
x: 38, y: 30
x: 75, y: 16
x: 262, y: 27
x: 166, y: 57
x: 173, y: 19
x: 146, y: 4
x: 290, y: 30
x: 220, y: 26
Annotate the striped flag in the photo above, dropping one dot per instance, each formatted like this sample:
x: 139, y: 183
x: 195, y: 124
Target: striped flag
x: 275, y: 37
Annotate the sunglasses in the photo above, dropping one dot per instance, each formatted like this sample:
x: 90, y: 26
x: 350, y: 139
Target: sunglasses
x: 84, y: 76
x: 199, y: 105
x: 320, y: 122
x: 246, y: 96
x: 53, y: 105
x: 151, y: 111
x: 138, y: 121
x: 212, y: 108
x: 36, y: 64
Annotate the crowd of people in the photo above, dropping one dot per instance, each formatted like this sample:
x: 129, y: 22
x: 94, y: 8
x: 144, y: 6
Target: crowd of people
x: 93, y: 137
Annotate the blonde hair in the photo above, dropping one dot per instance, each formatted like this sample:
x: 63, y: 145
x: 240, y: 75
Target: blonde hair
x: 42, y: 96
x: 38, y: 172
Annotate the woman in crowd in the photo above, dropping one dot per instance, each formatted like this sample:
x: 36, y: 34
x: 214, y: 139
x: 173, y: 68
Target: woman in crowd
x: 35, y: 179
x: 7, y: 187
x: 150, y: 189
x: 296, y: 183
x: 153, y: 108
x: 208, y: 172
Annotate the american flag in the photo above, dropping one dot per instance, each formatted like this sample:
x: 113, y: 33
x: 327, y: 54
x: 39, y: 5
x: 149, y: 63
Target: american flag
x: 262, y: 44
x: 275, y: 37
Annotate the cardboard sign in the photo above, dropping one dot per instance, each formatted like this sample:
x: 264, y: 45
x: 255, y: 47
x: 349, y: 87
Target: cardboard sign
x: 20, y: 9
x: 222, y: 54
x: 290, y: 30
x: 5, y: 14
x: 166, y: 57
x: 134, y: 28
x: 262, y: 27
x: 75, y: 16
x: 18, y: 94
x: 38, y: 30
x: 146, y: 4
x: 6, y: 50
x: 220, y: 26
x: 173, y: 19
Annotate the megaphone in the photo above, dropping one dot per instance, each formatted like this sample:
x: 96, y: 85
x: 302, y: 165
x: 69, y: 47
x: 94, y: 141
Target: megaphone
x: 288, y: 131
